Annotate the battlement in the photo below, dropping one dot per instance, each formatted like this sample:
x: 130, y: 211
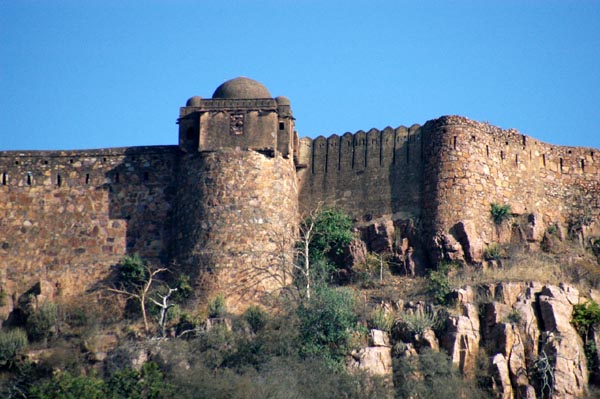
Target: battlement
x: 228, y: 196
x: 362, y: 150
x: 81, y: 168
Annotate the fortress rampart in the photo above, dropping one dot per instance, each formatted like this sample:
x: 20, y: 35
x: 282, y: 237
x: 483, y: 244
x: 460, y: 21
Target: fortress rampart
x: 225, y: 202
x: 367, y: 174
x: 67, y: 216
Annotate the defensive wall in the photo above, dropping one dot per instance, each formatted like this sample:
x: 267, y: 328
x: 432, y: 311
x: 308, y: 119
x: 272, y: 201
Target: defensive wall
x: 367, y: 174
x: 223, y: 205
x: 68, y: 216
x: 446, y: 173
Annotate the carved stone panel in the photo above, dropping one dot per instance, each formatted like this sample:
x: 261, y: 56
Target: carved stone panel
x: 236, y: 124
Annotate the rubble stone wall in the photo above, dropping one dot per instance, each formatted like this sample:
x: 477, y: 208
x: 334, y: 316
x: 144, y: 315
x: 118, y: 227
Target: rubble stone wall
x: 472, y: 165
x: 367, y: 174
x: 237, y: 213
x: 68, y: 216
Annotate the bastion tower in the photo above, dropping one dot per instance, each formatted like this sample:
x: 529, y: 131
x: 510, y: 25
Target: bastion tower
x: 237, y: 201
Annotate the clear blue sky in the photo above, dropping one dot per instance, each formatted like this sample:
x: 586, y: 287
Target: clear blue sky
x: 91, y: 74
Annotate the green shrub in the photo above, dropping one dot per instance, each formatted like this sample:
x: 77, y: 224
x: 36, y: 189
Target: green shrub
x: 148, y: 383
x: 432, y: 376
x: 438, y: 282
x: 332, y: 233
x: 382, y: 319
x: 256, y: 317
x: 493, y: 252
x: 132, y: 272
x: 500, y: 213
x: 68, y: 386
x: 43, y: 322
x: 216, y: 306
x: 585, y: 316
x: 514, y: 317
x: 326, y: 323
x: 419, y: 320
x: 11, y: 342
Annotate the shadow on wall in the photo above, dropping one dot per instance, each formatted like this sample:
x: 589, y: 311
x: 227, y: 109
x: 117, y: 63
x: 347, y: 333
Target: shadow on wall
x: 142, y: 189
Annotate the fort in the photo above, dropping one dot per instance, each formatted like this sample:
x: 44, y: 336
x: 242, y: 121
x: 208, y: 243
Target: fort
x: 227, y: 198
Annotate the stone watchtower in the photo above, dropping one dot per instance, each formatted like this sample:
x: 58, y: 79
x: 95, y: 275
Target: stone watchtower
x: 237, y: 199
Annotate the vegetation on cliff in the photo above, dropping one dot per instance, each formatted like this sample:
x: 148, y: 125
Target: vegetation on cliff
x: 444, y: 332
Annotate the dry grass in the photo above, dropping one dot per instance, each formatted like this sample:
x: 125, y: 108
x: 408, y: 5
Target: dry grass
x: 520, y: 267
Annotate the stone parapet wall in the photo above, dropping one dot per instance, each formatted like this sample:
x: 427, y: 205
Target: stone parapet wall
x: 367, y: 174
x: 68, y: 216
x: 472, y: 165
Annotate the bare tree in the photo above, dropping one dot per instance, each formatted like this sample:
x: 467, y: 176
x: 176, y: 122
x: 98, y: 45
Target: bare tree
x: 164, y: 306
x: 140, y: 292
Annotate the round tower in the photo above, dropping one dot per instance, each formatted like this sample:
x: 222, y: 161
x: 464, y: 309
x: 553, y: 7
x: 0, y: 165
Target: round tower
x: 237, y: 205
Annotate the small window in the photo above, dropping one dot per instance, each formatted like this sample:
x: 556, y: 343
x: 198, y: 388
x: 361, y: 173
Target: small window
x: 4, y: 179
x: 87, y: 178
x: 29, y: 179
x: 189, y: 134
x: 281, y: 126
x: 58, y: 180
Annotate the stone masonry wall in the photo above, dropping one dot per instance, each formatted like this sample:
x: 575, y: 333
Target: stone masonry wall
x: 471, y: 165
x: 367, y: 174
x: 236, y: 221
x: 68, y: 216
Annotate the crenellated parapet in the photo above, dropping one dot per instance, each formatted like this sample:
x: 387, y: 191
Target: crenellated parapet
x: 368, y: 174
x: 223, y: 205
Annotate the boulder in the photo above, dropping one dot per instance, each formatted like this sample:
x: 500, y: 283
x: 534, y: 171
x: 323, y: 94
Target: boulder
x: 562, y: 346
x: 379, y: 338
x: 500, y: 377
x: 509, y: 292
x: 374, y: 360
x: 379, y: 236
x: 526, y: 392
x: 427, y: 340
x: 99, y: 345
x: 356, y: 253
x: 493, y: 313
x: 461, y: 339
x: 470, y: 241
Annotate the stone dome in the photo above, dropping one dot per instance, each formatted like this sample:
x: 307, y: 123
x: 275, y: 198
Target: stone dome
x: 242, y: 87
x: 194, y: 101
x: 281, y: 100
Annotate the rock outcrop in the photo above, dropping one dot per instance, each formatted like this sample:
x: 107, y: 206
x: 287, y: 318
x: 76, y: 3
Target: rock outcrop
x: 524, y: 329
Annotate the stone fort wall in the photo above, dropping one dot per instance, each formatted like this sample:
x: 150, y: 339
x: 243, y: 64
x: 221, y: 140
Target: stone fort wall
x: 69, y: 216
x: 371, y: 174
x: 471, y: 165
x: 450, y: 171
x: 236, y: 217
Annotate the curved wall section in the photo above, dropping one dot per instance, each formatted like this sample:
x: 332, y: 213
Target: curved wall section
x: 235, y: 212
